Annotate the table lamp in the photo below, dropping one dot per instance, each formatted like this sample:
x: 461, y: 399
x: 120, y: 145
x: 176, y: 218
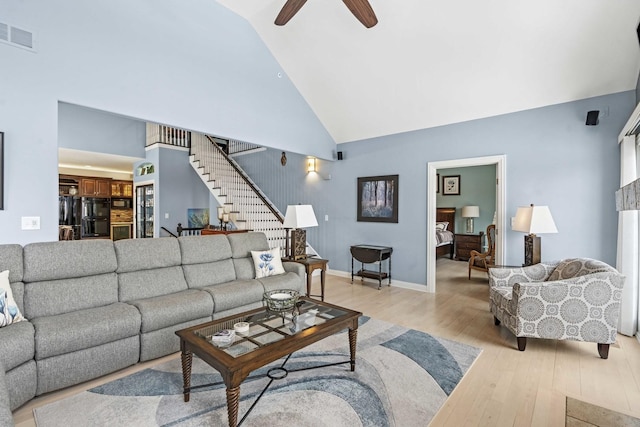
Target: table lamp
x: 470, y: 212
x: 297, y: 217
x: 533, y: 220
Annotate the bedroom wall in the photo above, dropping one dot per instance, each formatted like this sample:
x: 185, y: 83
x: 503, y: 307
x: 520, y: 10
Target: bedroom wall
x: 552, y: 159
x: 477, y: 188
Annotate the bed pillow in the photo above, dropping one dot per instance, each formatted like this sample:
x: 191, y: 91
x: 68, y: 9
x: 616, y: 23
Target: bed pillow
x: 267, y: 263
x: 9, y: 311
x: 442, y: 225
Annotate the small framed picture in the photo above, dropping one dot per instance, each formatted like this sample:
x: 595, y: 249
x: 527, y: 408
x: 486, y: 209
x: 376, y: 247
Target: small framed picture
x: 437, y: 183
x: 451, y: 185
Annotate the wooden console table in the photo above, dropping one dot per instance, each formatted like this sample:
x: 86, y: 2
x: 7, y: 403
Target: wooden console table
x: 370, y: 254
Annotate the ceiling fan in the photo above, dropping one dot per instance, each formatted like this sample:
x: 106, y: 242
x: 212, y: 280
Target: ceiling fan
x: 361, y: 9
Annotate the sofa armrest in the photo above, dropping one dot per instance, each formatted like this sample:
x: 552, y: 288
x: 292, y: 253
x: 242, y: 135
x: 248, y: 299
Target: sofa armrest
x: 6, y: 417
x: 509, y: 276
x: 294, y: 267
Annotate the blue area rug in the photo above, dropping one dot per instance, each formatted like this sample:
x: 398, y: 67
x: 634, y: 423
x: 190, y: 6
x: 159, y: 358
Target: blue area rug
x: 402, y: 378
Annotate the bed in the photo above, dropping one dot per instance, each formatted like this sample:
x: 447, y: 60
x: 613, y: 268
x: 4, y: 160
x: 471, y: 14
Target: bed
x: 445, y: 231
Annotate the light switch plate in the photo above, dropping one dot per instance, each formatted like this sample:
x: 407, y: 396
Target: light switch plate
x: 31, y: 223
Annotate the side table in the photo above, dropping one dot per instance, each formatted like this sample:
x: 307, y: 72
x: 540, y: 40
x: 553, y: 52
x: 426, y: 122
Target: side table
x: 371, y: 254
x: 465, y: 243
x: 310, y: 265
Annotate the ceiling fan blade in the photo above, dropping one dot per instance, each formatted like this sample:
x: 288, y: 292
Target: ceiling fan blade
x: 290, y: 8
x: 362, y: 10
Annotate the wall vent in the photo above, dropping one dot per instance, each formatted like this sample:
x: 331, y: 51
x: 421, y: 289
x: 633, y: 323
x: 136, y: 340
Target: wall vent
x: 22, y: 37
x: 16, y: 36
x: 4, y: 32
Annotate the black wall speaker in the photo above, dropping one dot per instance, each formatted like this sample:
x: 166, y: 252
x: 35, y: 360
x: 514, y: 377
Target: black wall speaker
x: 592, y: 118
x: 339, y: 155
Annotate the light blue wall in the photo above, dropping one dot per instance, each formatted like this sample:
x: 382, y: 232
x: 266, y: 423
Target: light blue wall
x: 99, y: 55
x: 477, y: 188
x: 179, y: 188
x: 85, y: 129
x: 552, y: 159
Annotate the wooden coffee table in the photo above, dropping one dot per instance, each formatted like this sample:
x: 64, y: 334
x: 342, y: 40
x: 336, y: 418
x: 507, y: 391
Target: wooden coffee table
x: 271, y: 336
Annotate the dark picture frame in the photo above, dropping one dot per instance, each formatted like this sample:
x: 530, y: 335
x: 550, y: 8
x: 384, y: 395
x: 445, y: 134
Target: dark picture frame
x: 1, y: 171
x: 378, y: 198
x: 437, y: 183
x: 451, y: 185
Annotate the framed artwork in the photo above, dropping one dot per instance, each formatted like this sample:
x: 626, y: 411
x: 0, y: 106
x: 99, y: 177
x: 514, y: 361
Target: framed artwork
x: 437, y: 183
x: 198, y: 218
x: 451, y: 185
x: 378, y: 198
x: 1, y: 171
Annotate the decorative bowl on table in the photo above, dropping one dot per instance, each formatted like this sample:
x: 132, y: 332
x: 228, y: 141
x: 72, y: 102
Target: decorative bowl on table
x: 281, y: 300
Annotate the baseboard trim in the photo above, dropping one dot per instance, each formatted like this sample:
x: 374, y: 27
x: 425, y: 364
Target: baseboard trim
x: 395, y: 283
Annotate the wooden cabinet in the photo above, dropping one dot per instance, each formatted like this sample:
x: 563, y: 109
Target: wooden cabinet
x: 95, y: 187
x: 121, y: 188
x: 465, y: 243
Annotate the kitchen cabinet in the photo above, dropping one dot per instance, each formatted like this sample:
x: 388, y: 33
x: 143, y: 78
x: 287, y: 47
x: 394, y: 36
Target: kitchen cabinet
x: 95, y: 187
x: 121, y: 188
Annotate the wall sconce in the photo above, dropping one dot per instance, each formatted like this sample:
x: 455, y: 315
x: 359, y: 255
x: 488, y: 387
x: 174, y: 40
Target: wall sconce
x: 311, y: 164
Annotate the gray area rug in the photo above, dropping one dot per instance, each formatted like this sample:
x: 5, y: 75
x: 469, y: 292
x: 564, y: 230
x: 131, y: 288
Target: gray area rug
x: 402, y: 378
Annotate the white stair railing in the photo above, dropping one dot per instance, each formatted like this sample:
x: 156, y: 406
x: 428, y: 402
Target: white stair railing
x: 249, y: 208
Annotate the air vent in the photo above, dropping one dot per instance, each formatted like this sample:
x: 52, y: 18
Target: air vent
x: 16, y: 36
x: 4, y: 32
x: 21, y: 37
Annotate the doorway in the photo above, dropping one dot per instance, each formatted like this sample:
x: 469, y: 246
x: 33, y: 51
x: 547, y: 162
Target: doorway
x: 500, y: 163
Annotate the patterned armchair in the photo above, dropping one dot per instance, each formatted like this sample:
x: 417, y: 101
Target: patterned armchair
x: 574, y: 299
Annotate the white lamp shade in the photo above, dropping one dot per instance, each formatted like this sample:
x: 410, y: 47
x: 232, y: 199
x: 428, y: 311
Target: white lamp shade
x: 470, y: 211
x: 300, y: 216
x: 534, y: 220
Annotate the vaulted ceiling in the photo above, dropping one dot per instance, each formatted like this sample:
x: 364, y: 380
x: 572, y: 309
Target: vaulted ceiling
x: 430, y: 63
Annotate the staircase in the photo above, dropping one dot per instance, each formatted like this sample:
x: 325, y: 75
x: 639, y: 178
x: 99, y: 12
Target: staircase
x: 248, y: 207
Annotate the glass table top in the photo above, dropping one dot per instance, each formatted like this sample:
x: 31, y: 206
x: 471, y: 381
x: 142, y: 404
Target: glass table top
x: 267, y: 327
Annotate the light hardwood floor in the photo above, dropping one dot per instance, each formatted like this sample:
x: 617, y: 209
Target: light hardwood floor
x: 505, y: 387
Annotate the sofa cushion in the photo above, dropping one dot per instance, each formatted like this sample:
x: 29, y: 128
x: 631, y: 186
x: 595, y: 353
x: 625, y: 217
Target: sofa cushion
x: 209, y: 273
x: 83, y: 329
x: 9, y: 310
x: 68, y: 259
x: 575, y: 267
x: 11, y: 259
x: 234, y: 294
x: 241, y: 246
x: 204, y: 249
x: 16, y: 344
x: 283, y: 281
x: 137, y: 285
x: 54, y: 297
x: 169, y: 310
x: 243, y: 243
x: 267, y: 263
x: 6, y: 417
x: 147, y: 254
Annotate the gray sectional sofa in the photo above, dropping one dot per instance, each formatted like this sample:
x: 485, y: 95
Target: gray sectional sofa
x: 97, y: 306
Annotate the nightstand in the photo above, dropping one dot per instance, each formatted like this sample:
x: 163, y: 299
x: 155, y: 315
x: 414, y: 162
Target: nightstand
x: 465, y: 243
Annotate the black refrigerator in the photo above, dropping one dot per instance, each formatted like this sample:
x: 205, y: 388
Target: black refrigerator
x: 70, y: 213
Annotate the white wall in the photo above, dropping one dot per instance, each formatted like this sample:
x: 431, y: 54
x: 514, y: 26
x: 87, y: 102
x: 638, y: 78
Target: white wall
x: 98, y: 54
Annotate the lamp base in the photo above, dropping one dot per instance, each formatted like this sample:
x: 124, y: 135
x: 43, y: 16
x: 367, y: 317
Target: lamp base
x: 469, y: 226
x: 298, y: 244
x: 531, y: 250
